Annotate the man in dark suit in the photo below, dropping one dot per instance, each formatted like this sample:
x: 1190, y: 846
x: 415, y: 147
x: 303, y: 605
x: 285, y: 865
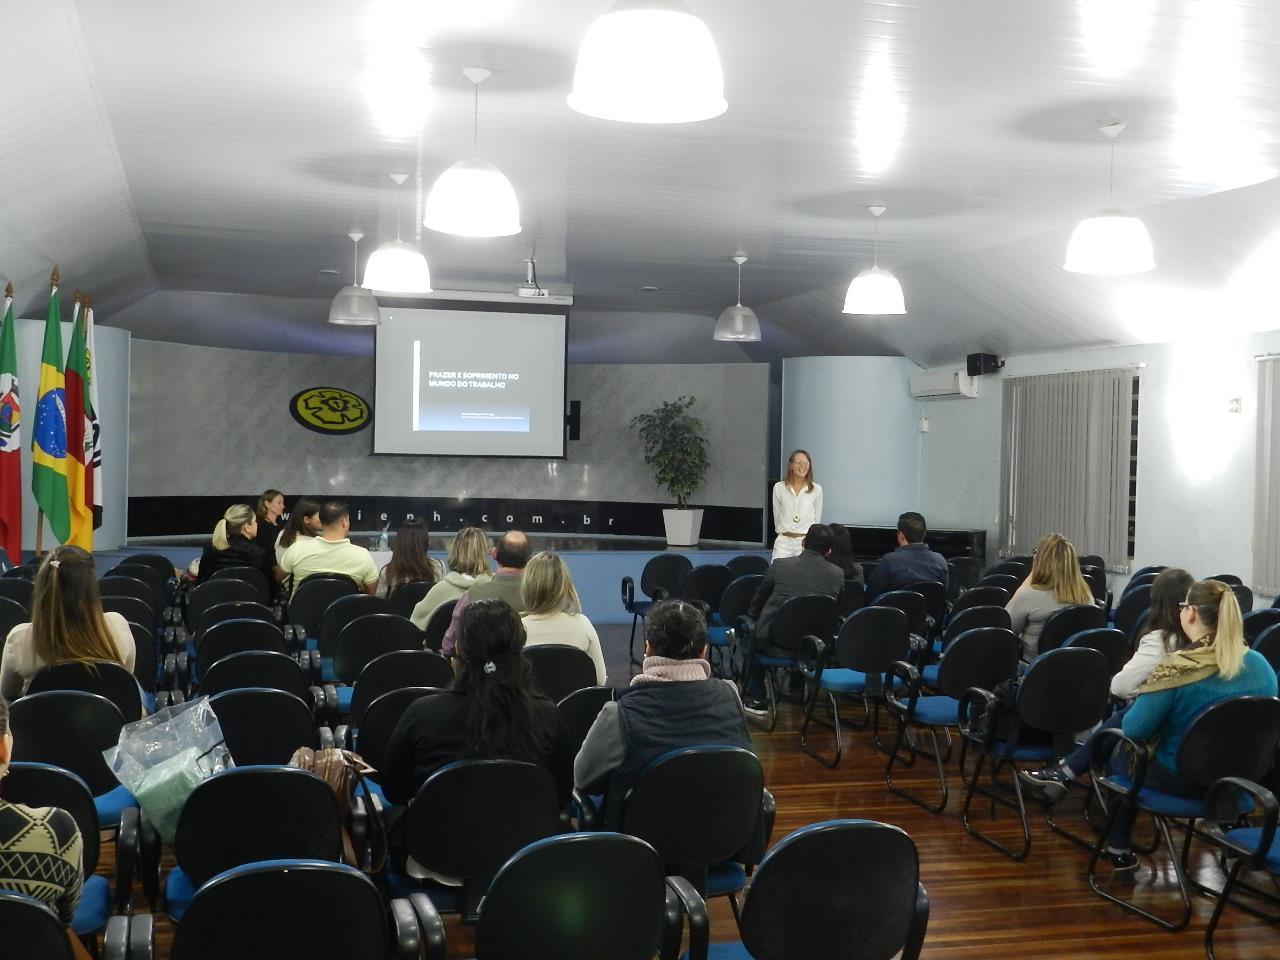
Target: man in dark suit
x: 808, y: 574
x: 912, y: 561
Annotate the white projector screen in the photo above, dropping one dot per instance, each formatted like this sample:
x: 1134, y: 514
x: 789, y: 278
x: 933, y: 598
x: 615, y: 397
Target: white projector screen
x: 479, y: 383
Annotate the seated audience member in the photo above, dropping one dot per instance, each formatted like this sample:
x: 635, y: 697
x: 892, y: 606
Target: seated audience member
x: 1216, y: 666
x: 912, y: 561
x: 511, y: 552
x: 409, y: 561
x: 842, y: 553
x: 41, y: 853
x: 270, y: 512
x: 468, y: 565
x: 806, y: 575
x: 304, y: 522
x: 490, y: 711
x: 67, y: 624
x: 553, y: 612
x: 331, y: 552
x: 1054, y: 582
x: 674, y: 702
x: 1162, y: 634
x: 234, y: 545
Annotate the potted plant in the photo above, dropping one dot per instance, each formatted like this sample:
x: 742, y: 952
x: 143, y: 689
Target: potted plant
x: 676, y: 448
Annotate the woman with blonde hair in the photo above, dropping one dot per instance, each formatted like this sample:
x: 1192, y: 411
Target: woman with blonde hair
x: 233, y: 545
x: 468, y: 565
x: 797, y: 505
x: 553, y: 612
x: 67, y: 623
x: 1054, y: 582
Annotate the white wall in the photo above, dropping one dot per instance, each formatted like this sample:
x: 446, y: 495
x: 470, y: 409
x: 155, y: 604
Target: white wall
x: 111, y: 366
x: 856, y: 418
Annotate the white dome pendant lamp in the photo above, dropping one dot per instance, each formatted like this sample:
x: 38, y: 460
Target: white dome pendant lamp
x: 396, y: 266
x: 1112, y: 242
x: 473, y: 198
x: 875, y: 291
x: 354, y: 306
x: 648, y: 61
x: 738, y: 323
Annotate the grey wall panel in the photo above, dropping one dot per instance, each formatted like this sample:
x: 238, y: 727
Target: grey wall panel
x: 212, y: 421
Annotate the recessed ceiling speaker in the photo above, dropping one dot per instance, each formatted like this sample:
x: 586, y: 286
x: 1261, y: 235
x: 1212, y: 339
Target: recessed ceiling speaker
x: 981, y: 364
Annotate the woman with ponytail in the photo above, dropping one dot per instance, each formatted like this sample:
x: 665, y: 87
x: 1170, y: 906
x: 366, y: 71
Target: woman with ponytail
x: 1215, y: 666
x: 67, y: 623
x: 490, y: 711
x: 233, y: 545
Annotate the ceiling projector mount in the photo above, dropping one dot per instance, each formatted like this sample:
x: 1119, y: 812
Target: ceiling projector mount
x: 530, y: 288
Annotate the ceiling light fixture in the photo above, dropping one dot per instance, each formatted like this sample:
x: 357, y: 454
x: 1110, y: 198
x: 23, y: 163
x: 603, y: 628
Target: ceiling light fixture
x: 875, y: 291
x: 738, y: 322
x: 355, y: 306
x: 396, y: 266
x: 1113, y: 241
x: 473, y: 198
x: 648, y: 61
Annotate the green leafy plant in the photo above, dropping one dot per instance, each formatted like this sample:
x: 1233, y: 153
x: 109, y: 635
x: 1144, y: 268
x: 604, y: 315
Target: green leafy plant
x: 674, y: 445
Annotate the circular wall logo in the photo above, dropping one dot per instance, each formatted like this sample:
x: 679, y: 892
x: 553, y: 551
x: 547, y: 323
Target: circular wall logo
x: 330, y: 410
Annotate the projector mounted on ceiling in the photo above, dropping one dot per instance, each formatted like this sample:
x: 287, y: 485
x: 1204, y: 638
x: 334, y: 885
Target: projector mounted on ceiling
x: 530, y: 287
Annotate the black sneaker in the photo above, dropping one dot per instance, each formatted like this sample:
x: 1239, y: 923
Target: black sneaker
x: 1050, y: 784
x: 756, y: 706
x: 1122, y: 861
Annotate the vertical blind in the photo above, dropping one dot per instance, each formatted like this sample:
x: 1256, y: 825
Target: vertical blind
x: 1065, y: 462
x: 1266, y: 523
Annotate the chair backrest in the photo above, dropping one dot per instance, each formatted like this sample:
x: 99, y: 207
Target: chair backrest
x: 342, y: 611
x: 1096, y: 578
x: 254, y: 911
x: 232, y: 610
x: 32, y: 929
x: 615, y: 883
x: 211, y: 592
x: 746, y: 564
x: 249, y: 814
x: 912, y: 604
x: 312, y: 598
x: 1092, y: 560
x: 1231, y: 738
x: 1230, y: 579
x: 1012, y: 568
x: 1108, y: 641
x: 102, y: 677
x: 578, y: 711
x: 156, y: 561
x: 119, y: 585
x: 963, y: 573
x: 380, y: 719
x: 984, y: 657
x: 664, y: 572
x: 12, y: 613
x: 24, y: 571
x: 800, y: 617
x: 973, y: 617
x: 368, y: 637
x: 736, y: 599
x: 843, y: 888
x: 131, y: 608
x: 1006, y: 581
x: 408, y: 595
x: 45, y: 785
x: 559, y: 669
x: 1065, y: 690
x: 145, y: 655
x: 236, y: 636
x: 1268, y: 644
x: 1140, y: 580
x: 1244, y: 597
x: 153, y: 578
x: 250, y: 575
x: 1067, y: 621
x: 263, y: 726
x: 254, y: 668
x: 1151, y: 568
x: 395, y: 671
x: 1132, y: 605
x: 1258, y: 620
x: 471, y: 816
x: 873, y: 639
x: 19, y: 590
x: 69, y: 729
x: 979, y: 597
x: 706, y: 582
x: 853, y: 596
x: 438, y: 625
x: 935, y: 598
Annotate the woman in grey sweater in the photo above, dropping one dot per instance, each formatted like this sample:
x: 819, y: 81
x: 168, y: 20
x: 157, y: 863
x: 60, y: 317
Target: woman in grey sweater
x: 1054, y: 582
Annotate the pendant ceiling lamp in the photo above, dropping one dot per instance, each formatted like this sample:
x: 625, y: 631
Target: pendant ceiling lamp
x: 738, y: 322
x: 396, y: 266
x: 354, y: 306
x: 875, y: 291
x: 1112, y: 242
x: 473, y: 198
x: 648, y: 61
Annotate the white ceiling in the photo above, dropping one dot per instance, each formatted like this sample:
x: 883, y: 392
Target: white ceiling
x: 195, y: 165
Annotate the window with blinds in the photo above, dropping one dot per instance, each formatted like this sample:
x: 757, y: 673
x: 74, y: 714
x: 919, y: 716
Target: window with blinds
x: 1266, y: 514
x: 1068, y: 460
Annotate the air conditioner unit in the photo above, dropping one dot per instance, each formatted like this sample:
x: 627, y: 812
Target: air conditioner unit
x: 943, y: 383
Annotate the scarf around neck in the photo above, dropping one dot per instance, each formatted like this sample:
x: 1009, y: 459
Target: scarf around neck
x: 1182, y: 667
x: 666, y: 670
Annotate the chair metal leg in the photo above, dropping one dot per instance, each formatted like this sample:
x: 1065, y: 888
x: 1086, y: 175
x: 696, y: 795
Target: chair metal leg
x: 835, y: 725
x: 1173, y: 926
x: 771, y: 694
x: 973, y: 786
x: 906, y: 794
x: 1219, y: 907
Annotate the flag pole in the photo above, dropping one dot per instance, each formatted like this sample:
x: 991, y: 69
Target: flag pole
x: 39, y: 533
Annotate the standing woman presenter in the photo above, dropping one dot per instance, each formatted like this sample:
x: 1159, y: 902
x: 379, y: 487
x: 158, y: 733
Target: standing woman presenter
x: 797, y: 504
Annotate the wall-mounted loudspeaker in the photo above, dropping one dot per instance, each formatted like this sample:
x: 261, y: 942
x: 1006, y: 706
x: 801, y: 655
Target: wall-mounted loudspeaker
x: 981, y: 364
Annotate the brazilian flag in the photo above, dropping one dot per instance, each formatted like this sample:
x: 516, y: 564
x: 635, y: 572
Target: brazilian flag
x: 49, y: 438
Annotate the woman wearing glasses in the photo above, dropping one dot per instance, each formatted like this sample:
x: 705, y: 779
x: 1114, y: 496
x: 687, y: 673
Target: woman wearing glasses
x: 797, y: 505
